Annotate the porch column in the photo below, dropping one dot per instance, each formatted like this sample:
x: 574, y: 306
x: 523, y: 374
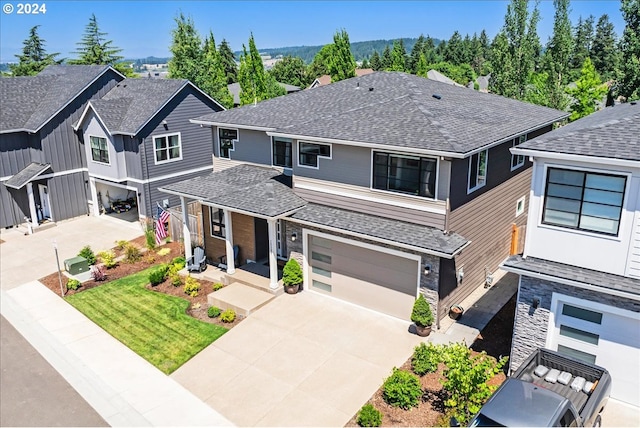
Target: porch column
x: 186, y: 234
x: 32, y: 205
x: 94, y: 197
x: 228, y: 242
x: 273, y: 254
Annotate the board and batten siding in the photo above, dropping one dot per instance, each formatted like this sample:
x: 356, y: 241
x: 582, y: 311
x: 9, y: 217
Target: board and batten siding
x: 486, y: 221
x: 14, y: 206
x: 634, y: 250
x: 195, y: 140
x: 71, y: 194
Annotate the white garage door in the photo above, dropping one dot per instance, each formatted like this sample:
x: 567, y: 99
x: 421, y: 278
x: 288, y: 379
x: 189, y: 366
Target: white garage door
x: 600, y: 334
x: 377, y: 280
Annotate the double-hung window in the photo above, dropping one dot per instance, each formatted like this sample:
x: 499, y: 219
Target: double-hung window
x: 167, y: 148
x: 228, y: 138
x: 584, y: 200
x: 217, y: 222
x: 517, y: 160
x: 99, y: 149
x: 477, y: 170
x: 310, y: 152
x: 282, y: 152
x: 404, y: 174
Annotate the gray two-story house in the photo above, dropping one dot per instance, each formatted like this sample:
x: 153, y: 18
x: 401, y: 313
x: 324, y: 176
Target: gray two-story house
x: 383, y: 186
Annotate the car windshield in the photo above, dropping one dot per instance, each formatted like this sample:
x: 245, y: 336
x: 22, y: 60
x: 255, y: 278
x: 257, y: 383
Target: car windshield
x: 482, y: 421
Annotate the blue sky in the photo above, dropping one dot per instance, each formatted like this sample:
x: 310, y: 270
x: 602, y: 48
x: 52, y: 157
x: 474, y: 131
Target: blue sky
x: 143, y: 28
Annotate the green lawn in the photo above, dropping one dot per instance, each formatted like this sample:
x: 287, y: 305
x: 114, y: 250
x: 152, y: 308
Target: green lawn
x: 152, y: 324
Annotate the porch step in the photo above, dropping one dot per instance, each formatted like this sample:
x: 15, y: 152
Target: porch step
x: 241, y: 298
x: 254, y: 281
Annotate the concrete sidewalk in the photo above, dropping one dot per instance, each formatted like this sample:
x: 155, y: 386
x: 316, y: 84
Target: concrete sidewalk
x: 121, y: 386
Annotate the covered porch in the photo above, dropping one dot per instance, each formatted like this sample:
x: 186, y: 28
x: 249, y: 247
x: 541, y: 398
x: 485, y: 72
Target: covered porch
x: 40, y: 204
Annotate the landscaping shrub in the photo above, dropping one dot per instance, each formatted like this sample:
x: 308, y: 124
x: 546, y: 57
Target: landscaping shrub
x: 213, y: 312
x: 163, y: 251
x: 174, y: 276
x: 87, y: 253
x: 121, y: 244
x: 150, y: 258
x: 402, y: 389
x: 73, y: 284
x: 107, y: 258
x: 426, y: 358
x: 421, y: 313
x: 132, y: 253
x: 150, y: 238
x: 292, y: 273
x: 158, y: 275
x: 217, y: 286
x: 228, y: 316
x: 191, y: 286
x: 179, y: 261
x: 98, y: 273
x: 369, y: 416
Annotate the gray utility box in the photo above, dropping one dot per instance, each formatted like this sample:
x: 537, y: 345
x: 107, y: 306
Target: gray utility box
x: 76, y: 265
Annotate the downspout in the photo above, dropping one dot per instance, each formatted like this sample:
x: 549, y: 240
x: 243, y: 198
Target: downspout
x: 145, y: 173
x: 80, y: 136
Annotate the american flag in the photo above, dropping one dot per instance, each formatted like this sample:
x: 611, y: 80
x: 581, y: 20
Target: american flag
x: 161, y: 231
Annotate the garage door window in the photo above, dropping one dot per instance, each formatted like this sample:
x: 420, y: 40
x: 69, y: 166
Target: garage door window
x: 321, y: 286
x: 322, y: 272
x: 321, y: 257
x: 578, y: 334
x: 577, y: 354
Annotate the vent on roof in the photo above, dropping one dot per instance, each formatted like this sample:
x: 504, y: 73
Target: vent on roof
x: 357, y: 85
x: 437, y: 96
x: 370, y: 89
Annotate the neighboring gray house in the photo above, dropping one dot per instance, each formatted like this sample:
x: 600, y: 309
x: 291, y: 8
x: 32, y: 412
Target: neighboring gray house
x: 579, y: 290
x: 383, y: 186
x: 43, y: 169
x: 137, y: 137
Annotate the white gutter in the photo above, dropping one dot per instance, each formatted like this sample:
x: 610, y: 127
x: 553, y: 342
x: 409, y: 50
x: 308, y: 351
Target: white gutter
x: 230, y: 125
x: 577, y: 284
x: 626, y: 163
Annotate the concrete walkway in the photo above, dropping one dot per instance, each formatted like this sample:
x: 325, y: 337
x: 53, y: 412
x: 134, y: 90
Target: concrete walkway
x: 121, y: 386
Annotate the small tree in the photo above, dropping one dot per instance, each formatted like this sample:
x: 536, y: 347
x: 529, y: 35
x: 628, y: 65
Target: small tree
x: 588, y: 91
x: 292, y: 273
x: 421, y: 314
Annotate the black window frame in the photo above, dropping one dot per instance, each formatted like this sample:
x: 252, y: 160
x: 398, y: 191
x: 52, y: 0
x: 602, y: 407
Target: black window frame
x: 220, y: 223
x: 282, y: 159
x: 101, y: 153
x: 310, y: 158
x: 229, y: 141
x: 383, y: 165
x: 582, y: 201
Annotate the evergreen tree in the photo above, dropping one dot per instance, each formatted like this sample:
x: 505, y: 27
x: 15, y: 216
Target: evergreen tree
x: 212, y: 79
x: 422, y: 68
x: 228, y: 62
x: 604, y: 52
x: 589, y: 90
x: 291, y: 70
x: 385, y: 61
x: 320, y: 64
x: 467, y: 49
x: 558, y: 55
x: 186, y: 50
x: 416, y: 53
x: 398, y: 56
x: 255, y: 84
x: 375, y: 61
x: 454, y: 51
x: 341, y: 64
x: 581, y: 46
x: 429, y: 50
x: 34, y: 57
x: 95, y: 49
x: 629, y: 84
x: 365, y: 64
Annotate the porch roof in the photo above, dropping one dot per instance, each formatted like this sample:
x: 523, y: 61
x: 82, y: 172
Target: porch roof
x: 608, y: 282
x: 385, y: 230
x: 27, y: 174
x: 246, y: 188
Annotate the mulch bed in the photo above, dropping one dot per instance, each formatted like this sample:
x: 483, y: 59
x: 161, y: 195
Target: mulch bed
x: 494, y: 339
x: 198, y: 305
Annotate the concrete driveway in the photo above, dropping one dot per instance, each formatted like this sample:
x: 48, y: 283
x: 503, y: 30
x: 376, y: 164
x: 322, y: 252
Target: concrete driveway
x: 302, y: 360
x: 24, y: 258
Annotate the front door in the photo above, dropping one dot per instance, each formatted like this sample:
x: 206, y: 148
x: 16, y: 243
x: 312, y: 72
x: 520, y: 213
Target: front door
x: 261, y: 239
x: 45, y: 202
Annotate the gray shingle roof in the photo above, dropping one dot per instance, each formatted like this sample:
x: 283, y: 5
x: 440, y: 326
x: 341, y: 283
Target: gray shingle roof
x: 613, y: 132
x: 29, y: 102
x: 378, y: 228
x: 133, y: 102
x: 27, y: 174
x: 575, y: 273
x: 399, y: 111
x: 248, y: 188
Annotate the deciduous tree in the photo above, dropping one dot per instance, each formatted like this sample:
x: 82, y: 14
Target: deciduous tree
x: 291, y: 70
x: 342, y: 64
x: 558, y: 55
x: 398, y: 56
x: 629, y: 85
x: 255, y: 84
x: 34, y: 56
x: 588, y: 90
x: 186, y: 50
x: 212, y: 78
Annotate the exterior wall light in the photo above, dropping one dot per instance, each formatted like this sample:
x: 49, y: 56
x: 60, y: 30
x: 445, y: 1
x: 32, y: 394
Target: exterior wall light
x: 427, y: 269
x: 294, y: 236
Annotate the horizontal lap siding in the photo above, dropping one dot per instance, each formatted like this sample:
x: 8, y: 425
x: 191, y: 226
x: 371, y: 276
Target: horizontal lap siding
x: 486, y: 221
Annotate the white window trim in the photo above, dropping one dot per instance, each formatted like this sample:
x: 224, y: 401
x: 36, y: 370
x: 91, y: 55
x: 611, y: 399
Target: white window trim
x: 318, y: 156
x: 91, y: 150
x: 170, y: 134
x: 519, y: 212
x: 223, y: 237
x: 406, y: 155
x: 292, y: 154
x: 232, y: 149
x: 486, y: 172
x: 621, y: 226
x: 515, y: 143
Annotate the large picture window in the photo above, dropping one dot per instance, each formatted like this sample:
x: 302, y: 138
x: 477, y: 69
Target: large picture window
x: 228, y: 139
x: 282, y: 152
x: 167, y: 148
x: 584, y: 200
x: 217, y: 222
x: 405, y: 174
x: 477, y: 170
x: 99, y: 149
x: 309, y: 153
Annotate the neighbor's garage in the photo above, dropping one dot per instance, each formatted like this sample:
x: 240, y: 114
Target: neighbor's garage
x: 381, y: 280
x: 603, y: 335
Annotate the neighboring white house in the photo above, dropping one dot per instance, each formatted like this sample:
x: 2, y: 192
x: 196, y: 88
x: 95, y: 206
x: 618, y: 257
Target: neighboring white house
x: 579, y: 289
